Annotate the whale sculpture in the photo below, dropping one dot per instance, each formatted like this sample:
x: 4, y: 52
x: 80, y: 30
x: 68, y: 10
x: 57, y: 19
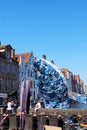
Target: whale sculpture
x: 51, y: 82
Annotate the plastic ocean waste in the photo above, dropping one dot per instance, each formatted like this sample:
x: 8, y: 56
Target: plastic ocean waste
x: 51, y: 82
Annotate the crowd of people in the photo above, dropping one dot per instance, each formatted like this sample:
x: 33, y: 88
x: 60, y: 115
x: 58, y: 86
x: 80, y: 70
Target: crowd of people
x: 11, y: 106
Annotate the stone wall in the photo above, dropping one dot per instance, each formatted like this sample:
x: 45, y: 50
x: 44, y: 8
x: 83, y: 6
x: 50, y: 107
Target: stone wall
x: 37, y: 121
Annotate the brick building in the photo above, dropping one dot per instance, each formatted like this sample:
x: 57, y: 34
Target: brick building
x: 78, y: 85
x: 73, y: 82
x: 8, y: 72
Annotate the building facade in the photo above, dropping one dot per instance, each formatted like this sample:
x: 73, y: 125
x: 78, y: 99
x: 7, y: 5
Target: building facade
x: 25, y: 72
x: 68, y: 77
x: 73, y: 82
x: 8, y: 72
x: 77, y: 85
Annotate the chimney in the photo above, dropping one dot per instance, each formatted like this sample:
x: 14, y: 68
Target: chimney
x: 44, y: 57
x: 52, y: 61
x: 13, y: 53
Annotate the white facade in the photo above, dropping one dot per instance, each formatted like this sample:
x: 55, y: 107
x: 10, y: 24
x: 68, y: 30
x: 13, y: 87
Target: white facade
x: 25, y: 72
x: 69, y: 80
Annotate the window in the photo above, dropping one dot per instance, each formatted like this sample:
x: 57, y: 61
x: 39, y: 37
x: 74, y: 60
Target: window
x: 31, y: 74
x: 34, y: 94
x: 28, y: 73
x: 34, y: 84
x: 2, y: 67
x: 13, y: 85
x: 8, y: 55
x: 1, y: 84
x: 13, y: 69
x: 8, y: 85
x: 8, y: 68
x: 31, y: 84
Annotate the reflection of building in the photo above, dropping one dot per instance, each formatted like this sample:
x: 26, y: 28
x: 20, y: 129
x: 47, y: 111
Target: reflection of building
x: 8, y: 72
x: 25, y: 71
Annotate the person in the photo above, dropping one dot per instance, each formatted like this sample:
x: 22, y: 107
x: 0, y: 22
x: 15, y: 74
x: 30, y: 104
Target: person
x: 74, y: 118
x: 12, y: 106
x: 60, y: 122
x: 15, y: 105
x: 9, y: 107
x: 37, y: 106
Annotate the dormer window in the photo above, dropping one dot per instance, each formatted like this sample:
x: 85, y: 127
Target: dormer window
x: 8, y: 55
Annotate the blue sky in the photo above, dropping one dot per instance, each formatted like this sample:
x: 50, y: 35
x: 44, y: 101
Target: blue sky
x: 56, y: 28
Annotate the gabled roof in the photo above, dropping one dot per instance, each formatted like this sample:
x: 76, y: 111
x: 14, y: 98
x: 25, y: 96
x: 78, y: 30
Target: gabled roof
x: 66, y: 70
x: 81, y: 82
x: 77, y: 77
x: 25, y: 55
x: 5, y: 46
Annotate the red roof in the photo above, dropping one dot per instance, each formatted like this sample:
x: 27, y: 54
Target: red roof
x: 65, y: 71
x: 77, y: 77
x: 81, y: 82
x: 5, y: 46
x: 25, y: 55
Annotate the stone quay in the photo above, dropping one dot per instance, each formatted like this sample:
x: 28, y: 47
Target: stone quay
x: 41, y: 119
